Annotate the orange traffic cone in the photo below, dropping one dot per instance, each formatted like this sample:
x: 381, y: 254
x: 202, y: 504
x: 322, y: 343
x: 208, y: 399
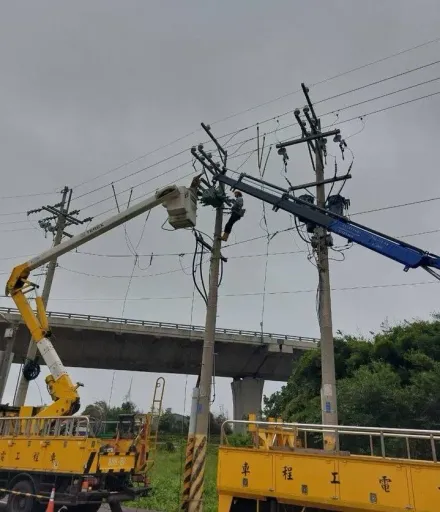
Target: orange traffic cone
x: 51, y: 504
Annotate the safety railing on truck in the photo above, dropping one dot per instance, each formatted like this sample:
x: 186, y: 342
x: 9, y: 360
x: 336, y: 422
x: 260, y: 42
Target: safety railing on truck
x: 68, y: 426
x: 166, y: 325
x: 413, y: 444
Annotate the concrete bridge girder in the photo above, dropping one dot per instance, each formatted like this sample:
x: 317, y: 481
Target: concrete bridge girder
x: 165, y: 348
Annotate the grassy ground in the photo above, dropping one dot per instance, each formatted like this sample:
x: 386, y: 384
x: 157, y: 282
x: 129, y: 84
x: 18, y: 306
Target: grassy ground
x: 166, y: 480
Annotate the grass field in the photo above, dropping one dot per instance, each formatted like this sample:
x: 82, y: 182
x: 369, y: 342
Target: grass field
x: 166, y: 480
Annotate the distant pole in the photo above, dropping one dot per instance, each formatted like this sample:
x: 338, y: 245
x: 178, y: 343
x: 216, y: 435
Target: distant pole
x: 195, y: 503
x: 23, y: 385
x: 328, y: 386
x: 6, y: 361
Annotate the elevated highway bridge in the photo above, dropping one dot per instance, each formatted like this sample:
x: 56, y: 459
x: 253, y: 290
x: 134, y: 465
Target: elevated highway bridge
x: 111, y: 343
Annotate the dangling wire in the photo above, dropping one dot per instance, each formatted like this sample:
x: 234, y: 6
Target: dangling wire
x: 334, y: 176
x: 199, y: 250
x: 263, y: 220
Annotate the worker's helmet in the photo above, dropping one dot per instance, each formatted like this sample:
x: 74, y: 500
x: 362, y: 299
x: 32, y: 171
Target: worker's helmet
x: 237, y: 193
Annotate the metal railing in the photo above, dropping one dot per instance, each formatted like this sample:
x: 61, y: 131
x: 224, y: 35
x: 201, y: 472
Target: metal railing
x: 68, y: 426
x: 167, y: 325
x: 380, y: 442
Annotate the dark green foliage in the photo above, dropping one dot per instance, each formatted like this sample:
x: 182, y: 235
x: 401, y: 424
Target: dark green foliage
x: 102, y: 411
x: 392, y: 380
x: 173, y: 423
x: 239, y: 439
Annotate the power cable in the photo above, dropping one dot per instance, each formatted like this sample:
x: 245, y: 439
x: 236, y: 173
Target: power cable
x: 250, y: 294
x: 384, y: 95
x: 285, y: 127
x: 34, y: 194
x: 197, y: 251
x: 243, y: 112
x: 241, y: 130
x: 344, y: 73
x: 352, y: 70
x: 155, y: 255
x: 290, y: 125
x: 382, y: 80
x: 251, y: 139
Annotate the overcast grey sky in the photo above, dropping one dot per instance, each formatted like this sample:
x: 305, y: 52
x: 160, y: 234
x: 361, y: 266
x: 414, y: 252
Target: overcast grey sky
x: 87, y: 86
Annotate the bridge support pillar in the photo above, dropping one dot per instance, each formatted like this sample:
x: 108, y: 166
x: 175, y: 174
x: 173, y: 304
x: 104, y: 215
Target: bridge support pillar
x: 247, y: 395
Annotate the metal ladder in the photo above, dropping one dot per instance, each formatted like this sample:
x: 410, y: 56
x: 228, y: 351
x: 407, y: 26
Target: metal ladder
x: 153, y: 421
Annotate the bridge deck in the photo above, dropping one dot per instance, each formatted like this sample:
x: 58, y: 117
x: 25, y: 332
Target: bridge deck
x: 92, y: 341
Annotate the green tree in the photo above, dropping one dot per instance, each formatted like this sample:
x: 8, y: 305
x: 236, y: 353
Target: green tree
x: 392, y: 380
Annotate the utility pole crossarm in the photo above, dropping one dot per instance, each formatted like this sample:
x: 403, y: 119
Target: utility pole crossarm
x: 392, y: 248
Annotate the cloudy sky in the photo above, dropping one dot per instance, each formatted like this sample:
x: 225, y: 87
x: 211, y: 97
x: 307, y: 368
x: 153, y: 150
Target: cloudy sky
x: 88, y: 87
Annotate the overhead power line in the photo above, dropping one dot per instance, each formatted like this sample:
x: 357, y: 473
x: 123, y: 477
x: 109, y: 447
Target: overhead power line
x: 154, y: 164
x: 250, y: 294
x: 284, y: 114
x: 152, y: 256
x: 365, y: 114
x: 35, y: 194
x: 376, y: 82
x: 328, y: 79
x: 181, y: 255
x: 255, y: 107
x: 278, y: 129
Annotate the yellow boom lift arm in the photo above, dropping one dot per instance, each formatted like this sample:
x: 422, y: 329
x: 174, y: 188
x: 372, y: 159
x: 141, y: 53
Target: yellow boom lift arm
x: 181, y: 204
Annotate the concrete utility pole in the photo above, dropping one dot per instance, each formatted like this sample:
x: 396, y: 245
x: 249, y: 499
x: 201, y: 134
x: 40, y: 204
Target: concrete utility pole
x: 60, y: 214
x: 7, y: 355
x: 321, y: 240
x: 193, y: 486
x: 195, y: 503
x: 328, y: 387
x: 328, y: 384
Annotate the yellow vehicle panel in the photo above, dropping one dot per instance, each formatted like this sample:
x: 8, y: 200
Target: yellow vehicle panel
x: 116, y: 462
x: 302, y: 478
x: 375, y: 484
x: 245, y: 471
x: 424, y: 481
x: 344, y: 483
x: 41, y: 454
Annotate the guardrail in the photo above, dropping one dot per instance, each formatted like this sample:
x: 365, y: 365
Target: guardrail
x: 167, y: 325
x: 55, y: 426
x: 415, y: 444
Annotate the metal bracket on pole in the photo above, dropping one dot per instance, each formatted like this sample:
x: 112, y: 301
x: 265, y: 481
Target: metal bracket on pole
x: 208, y: 247
x: 307, y: 138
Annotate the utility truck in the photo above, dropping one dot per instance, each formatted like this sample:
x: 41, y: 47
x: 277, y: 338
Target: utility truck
x: 48, y: 447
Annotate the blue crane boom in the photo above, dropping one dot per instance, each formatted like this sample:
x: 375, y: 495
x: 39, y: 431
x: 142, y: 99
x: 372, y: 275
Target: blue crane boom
x: 281, y: 199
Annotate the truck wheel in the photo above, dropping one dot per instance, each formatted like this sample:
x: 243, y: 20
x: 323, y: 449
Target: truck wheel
x: 17, y: 503
x: 87, y: 507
